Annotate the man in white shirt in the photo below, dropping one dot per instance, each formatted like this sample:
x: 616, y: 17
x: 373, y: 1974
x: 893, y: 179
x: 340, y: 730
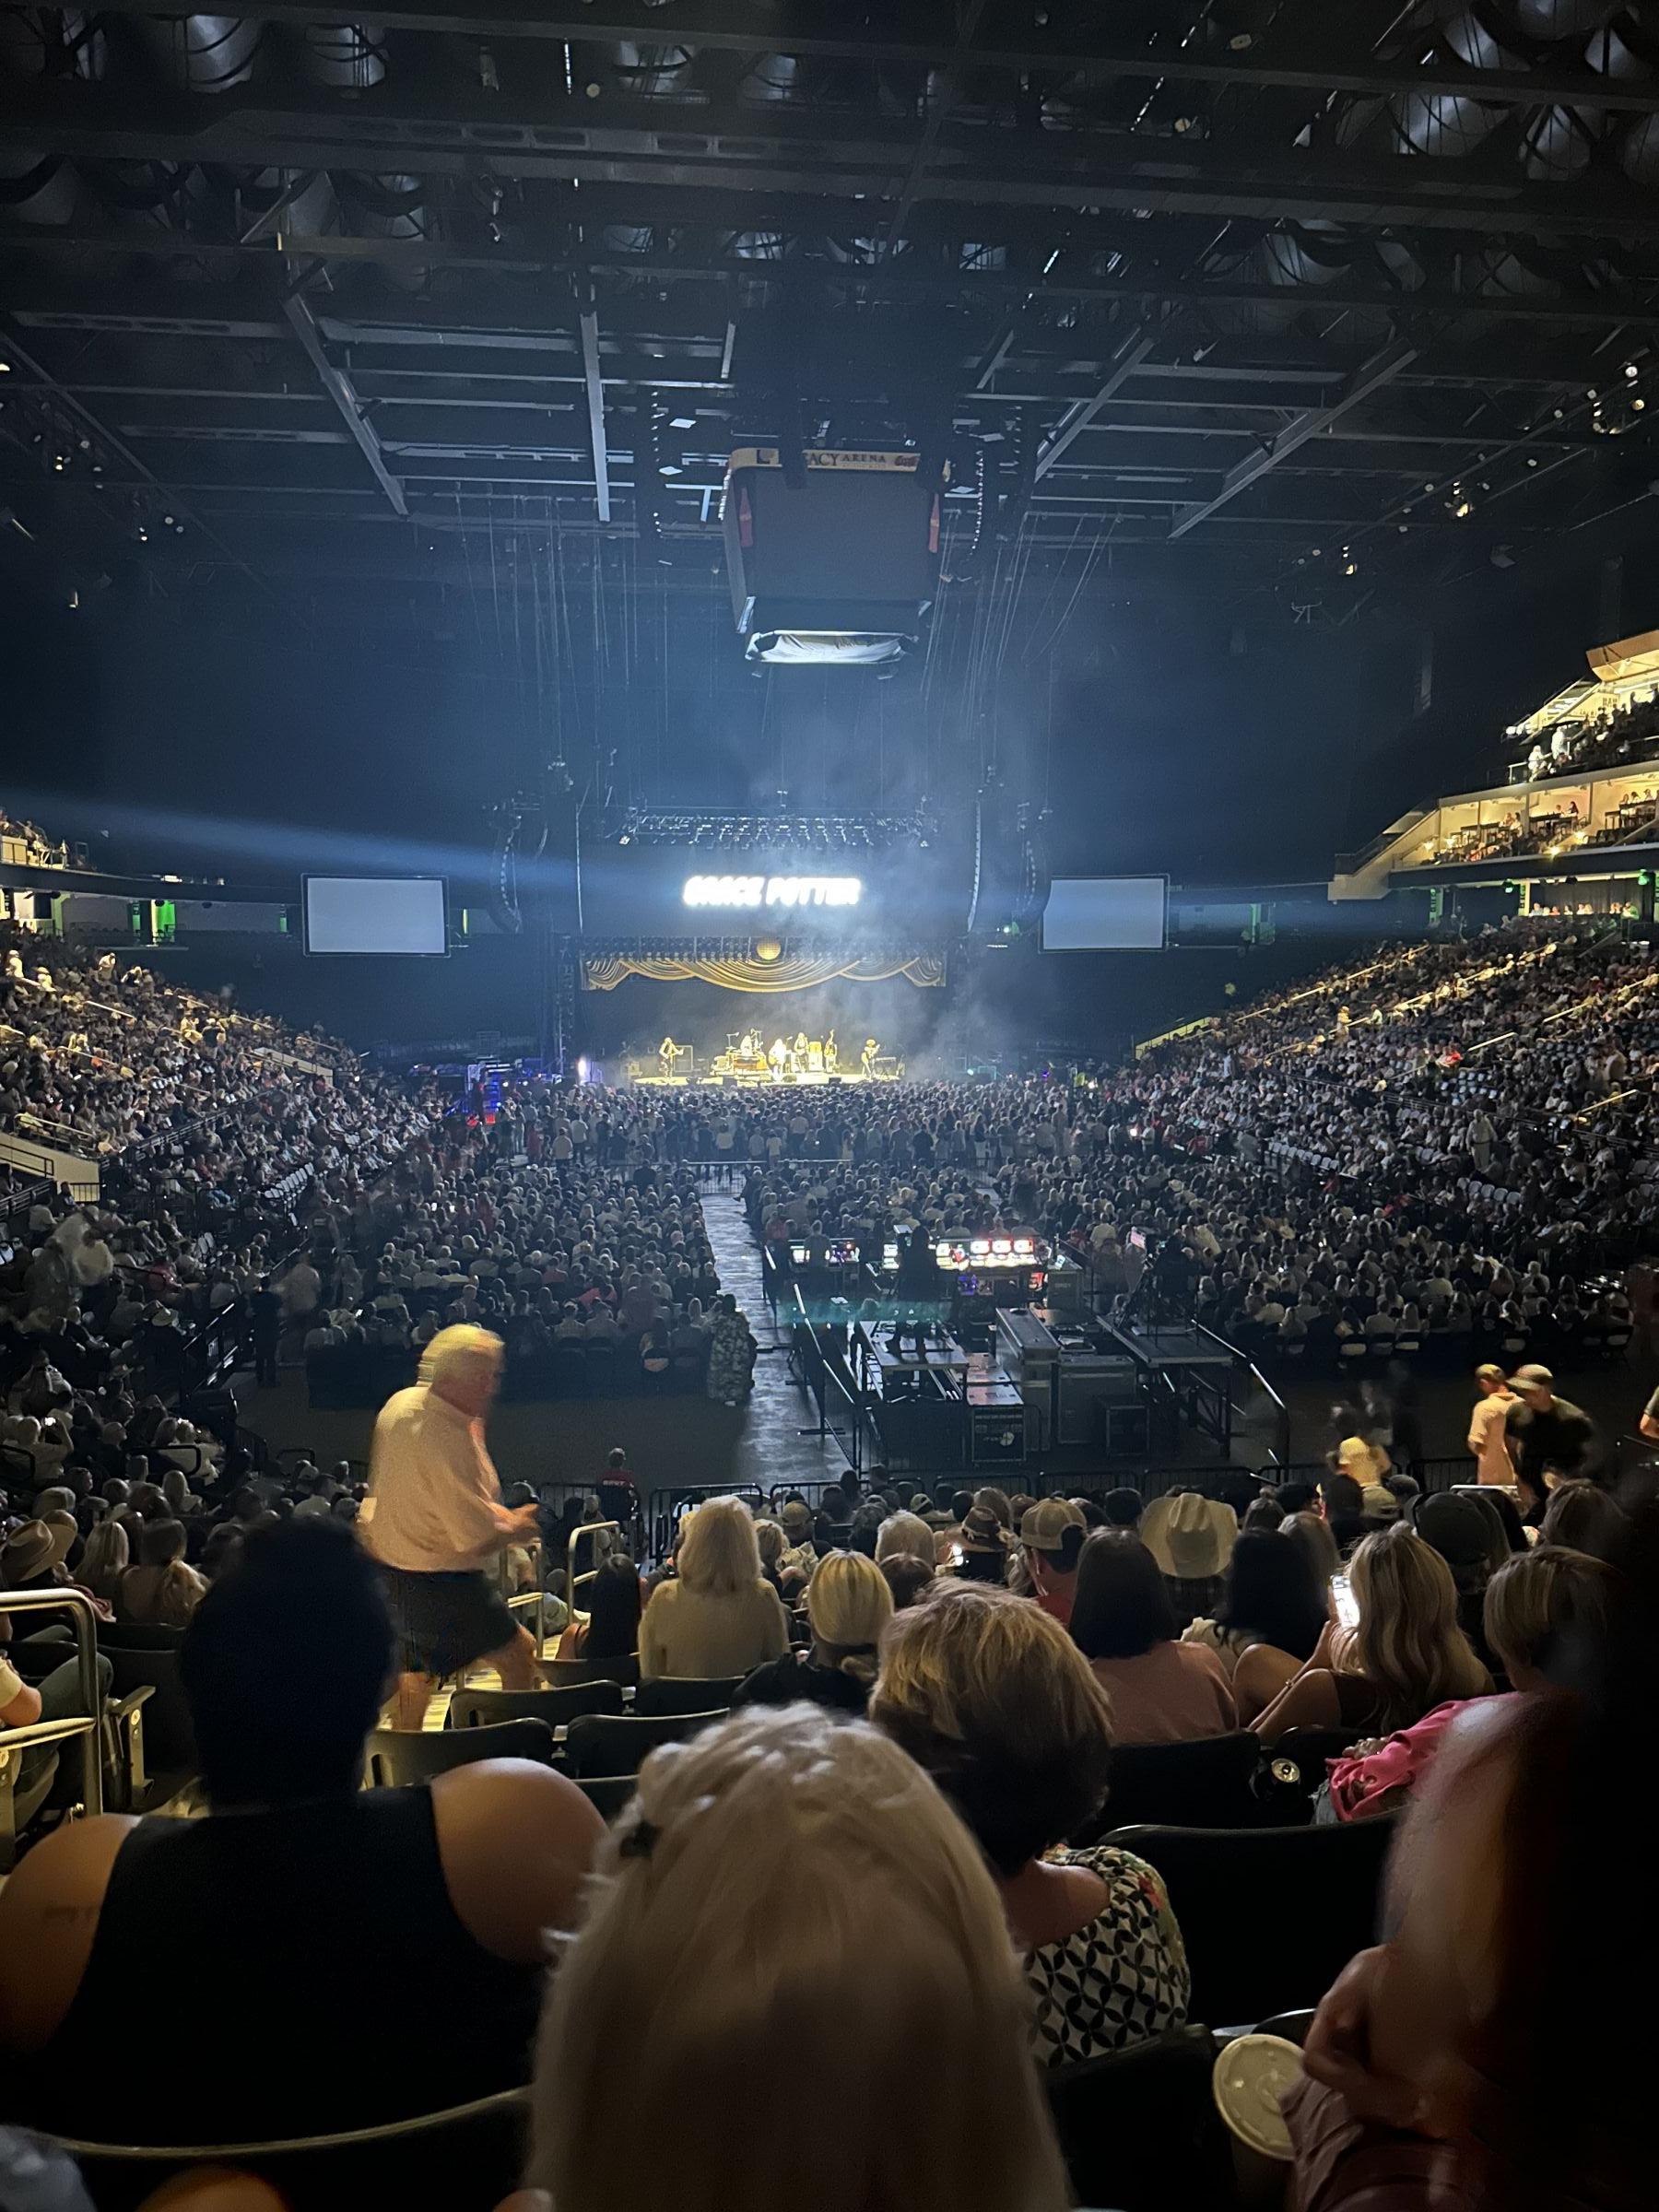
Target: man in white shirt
x: 434, y: 1520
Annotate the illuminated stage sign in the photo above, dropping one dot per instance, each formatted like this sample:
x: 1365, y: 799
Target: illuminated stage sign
x: 771, y: 890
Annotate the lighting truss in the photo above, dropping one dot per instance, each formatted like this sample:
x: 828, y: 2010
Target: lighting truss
x: 719, y: 832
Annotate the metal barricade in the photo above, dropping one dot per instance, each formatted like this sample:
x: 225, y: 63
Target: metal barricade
x: 84, y: 1724
x: 525, y: 1601
x: 669, y: 1506
x: 576, y: 1578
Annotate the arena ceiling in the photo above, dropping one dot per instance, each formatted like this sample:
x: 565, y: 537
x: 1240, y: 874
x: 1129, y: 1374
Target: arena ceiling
x: 1255, y: 294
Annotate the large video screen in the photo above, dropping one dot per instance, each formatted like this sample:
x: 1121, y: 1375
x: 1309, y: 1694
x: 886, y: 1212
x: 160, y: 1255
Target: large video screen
x: 1105, y: 914
x: 374, y: 913
x: 707, y: 892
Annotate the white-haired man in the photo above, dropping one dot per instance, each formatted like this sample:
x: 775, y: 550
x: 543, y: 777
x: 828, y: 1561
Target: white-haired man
x: 434, y: 1519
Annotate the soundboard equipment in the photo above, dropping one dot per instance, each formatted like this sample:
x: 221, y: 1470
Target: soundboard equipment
x: 838, y: 1252
x: 996, y: 1268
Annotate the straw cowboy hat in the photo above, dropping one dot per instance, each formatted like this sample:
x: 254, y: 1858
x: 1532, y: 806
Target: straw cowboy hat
x: 1191, y: 1538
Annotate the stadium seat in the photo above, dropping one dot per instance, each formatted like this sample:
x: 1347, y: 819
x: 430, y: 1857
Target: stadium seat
x: 560, y: 1673
x: 1297, y: 1761
x: 18, y: 1805
x: 1139, y: 2129
x: 684, y: 1693
x: 597, y: 1744
x: 1205, y: 1784
x: 607, y: 1794
x: 1247, y: 1962
x: 394, y: 1758
x: 483, y: 1708
x: 141, y: 1658
x: 465, y: 2159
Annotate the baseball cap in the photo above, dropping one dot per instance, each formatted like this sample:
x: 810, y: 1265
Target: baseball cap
x: 1531, y: 1376
x: 1043, y: 1526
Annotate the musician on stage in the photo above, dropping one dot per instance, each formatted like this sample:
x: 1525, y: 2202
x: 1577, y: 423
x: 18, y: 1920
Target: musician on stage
x: 779, y: 1056
x: 830, y: 1056
x: 800, y: 1051
x: 434, y: 1520
x: 867, y: 1059
x: 667, y: 1053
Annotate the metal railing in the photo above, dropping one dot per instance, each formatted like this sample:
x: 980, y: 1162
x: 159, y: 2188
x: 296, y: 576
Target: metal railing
x: 86, y: 1724
x: 667, y: 1507
x: 840, y: 1406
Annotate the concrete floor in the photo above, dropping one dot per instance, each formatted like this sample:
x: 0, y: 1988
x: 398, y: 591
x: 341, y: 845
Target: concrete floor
x: 676, y: 1440
x: 668, y: 1441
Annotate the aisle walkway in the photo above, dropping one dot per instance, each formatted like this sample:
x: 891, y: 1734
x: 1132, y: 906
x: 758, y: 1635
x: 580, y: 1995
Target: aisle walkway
x: 767, y: 1450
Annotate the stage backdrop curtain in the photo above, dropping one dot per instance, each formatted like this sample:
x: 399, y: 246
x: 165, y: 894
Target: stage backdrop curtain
x: 793, y: 974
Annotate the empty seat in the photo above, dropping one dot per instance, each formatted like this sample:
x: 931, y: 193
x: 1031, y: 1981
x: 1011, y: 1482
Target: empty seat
x: 685, y: 1693
x: 560, y: 1672
x: 396, y: 1757
x: 598, y: 1746
x: 1205, y: 1784
x: 483, y: 1708
x: 1246, y: 1961
x: 168, y: 1736
x: 1139, y: 2129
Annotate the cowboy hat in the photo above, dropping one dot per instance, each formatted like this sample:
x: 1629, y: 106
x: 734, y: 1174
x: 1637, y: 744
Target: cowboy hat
x: 1191, y: 1538
x: 31, y: 1551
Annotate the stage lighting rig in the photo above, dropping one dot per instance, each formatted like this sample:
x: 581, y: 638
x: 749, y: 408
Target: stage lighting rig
x: 796, y: 832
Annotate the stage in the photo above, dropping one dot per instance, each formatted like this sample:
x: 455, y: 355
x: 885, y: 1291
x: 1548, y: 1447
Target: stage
x: 746, y: 1063
x: 645, y: 1073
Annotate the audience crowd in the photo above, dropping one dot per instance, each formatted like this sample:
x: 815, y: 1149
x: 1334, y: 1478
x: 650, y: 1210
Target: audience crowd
x: 938, y: 1772
x: 887, y: 1845
x: 1596, y: 744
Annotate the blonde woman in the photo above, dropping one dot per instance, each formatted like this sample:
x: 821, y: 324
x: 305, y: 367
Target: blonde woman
x: 898, y: 1972
x: 771, y: 1544
x: 1407, y: 1656
x: 990, y: 1695
x: 849, y: 1602
x: 104, y: 1560
x: 717, y: 1616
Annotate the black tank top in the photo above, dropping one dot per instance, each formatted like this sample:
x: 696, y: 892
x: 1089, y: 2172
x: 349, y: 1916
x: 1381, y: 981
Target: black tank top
x: 271, y: 1974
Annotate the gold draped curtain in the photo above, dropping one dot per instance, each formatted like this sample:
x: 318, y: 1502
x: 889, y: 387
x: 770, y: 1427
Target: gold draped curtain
x: 791, y: 974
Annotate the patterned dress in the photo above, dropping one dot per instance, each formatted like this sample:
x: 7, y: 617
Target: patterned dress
x: 729, y: 1358
x: 1122, y: 1980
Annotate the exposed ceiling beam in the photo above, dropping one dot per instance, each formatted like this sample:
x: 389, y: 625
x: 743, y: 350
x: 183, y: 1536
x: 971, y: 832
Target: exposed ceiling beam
x: 827, y: 158
x: 339, y: 388
x: 1127, y: 359
x: 944, y: 98
x: 177, y: 310
x: 595, y: 402
x: 1379, y: 370
x: 828, y: 29
x: 41, y: 377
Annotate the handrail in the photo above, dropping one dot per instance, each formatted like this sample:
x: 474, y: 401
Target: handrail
x: 86, y: 1660
x: 1281, y: 1455
x: 385, y: 2131
x: 818, y: 1377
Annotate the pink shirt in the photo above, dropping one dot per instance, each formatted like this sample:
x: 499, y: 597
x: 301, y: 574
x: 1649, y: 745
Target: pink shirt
x: 1172, y: 1694
x: 1487, y: 1440
x: 434, y: 1503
